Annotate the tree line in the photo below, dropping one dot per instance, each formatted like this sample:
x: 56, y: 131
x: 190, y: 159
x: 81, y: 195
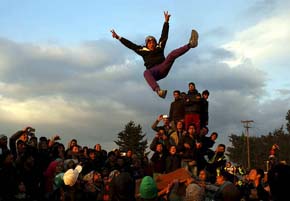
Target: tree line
x: 133, y: 138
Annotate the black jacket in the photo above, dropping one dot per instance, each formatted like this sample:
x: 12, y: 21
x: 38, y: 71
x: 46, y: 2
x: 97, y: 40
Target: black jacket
x: 151, y: 58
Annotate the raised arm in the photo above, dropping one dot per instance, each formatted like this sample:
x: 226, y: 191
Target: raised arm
x: 115, y: 35
x: 165, y: 29
x: 166, y: 16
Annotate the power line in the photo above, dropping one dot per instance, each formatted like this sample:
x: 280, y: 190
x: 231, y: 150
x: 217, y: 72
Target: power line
x: 246, y: 126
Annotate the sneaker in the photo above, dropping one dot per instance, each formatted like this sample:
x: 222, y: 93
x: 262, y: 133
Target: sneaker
x: 193, y: 39
x: 162, y: 93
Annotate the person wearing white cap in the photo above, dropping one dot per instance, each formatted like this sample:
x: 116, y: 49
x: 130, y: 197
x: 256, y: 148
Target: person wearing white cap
x: 71, y: 175
x: 157, y: 65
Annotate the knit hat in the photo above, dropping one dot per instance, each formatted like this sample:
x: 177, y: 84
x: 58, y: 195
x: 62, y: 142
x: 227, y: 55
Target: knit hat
x: 194, y: 193
x: 58, y: 180
x: 148, y: 188
x: 70, y: 176
x: 149, y: 38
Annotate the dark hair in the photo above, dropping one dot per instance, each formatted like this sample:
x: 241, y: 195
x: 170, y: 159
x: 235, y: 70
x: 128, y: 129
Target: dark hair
x: 214, y: 133
x: 176, y: 91
x: 222, y: 145
x: 205, y: 92
x: 191, y: 83
x: 191, y: 125
x: 111, y: 153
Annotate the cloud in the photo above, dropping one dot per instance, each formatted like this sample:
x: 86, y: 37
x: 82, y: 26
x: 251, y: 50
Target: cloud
x: 90, y: 91
x: 262, y: 41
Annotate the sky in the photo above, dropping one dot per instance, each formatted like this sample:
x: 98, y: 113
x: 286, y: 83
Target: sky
x: 61, y: 71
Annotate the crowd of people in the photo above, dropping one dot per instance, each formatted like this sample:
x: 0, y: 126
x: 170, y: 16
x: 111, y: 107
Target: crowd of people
x: 34, y: 168
x: 39, y: 168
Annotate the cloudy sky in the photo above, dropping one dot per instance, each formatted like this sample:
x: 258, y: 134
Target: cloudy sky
x: 63, y: 73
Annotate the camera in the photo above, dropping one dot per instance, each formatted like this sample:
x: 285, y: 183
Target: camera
x: 31, y: 131
x: 164, y: 116
x: 123, y: 154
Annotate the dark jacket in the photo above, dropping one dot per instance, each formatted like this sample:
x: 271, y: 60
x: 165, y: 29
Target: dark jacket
x: 151, y: 58
x: 176, y: 111
x: 192, y: 104
x: 203, y: 112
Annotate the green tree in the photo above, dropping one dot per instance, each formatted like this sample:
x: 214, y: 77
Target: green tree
x: 288, y: 121
x: 259, y: 147
x: 132, y: 138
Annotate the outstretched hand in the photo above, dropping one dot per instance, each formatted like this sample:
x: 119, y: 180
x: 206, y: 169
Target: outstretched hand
x: 166, y: 16
x: 114, y: 34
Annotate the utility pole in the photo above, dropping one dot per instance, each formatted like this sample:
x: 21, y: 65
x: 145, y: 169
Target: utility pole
x: 246, y: 126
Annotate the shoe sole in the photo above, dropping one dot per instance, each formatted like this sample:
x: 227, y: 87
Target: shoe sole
x: 194, y: 37
x: 164, y: 95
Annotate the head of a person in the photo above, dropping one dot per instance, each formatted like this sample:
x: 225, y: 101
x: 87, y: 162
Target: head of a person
x: 72, y: 143
x: 161, y: 132
x: 221, y: 148
x: 159, y: 148
x: 20, y: 146
x: 151, y: 42
x: 256, y: 174
x: 204, y: 131
x: 179, y: 125
x: 129, y: 153
x: 205, y: 94
x: 191, y: 86
x: 203, y: 175
x: 6, y: 158
x: 24, y: 137
x: 3, y: 140
x: 112, y: 156
x: 214, y: 136
x: 92, y: 154
x: 191, y: 129
x: 194, y: 192
x: 176, y: 94
x: 172, y: 149
x: 148, y: 188
x: 198, y: 96
x: 33, y: 142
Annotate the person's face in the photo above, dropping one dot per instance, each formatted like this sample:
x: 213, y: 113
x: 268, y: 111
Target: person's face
x: 205, y: 96
x: 92, y: 156
x: 3, y: 142
x: 176, y: 95
x: 24, y: 137
x: 8, y: 159
x: 73, y: 143
x: 220, y: 149
x: 191, y: 87
x: 151, y: 45
x: 253, y: 174
x: 179, y: 125
x: 172, y: 150
x: 21, y: 147
x: 213, y: 137
x: 98, y: 147
x: 219, y: 180
x: 75, y: 149
x: 191, y: 129
x: 203, y: 131
x: 159, y: 148
x: 202, y: 175
x: 129, y: 153
x: 165, y: 121
x: 161, y: 133
x: 42, y: 145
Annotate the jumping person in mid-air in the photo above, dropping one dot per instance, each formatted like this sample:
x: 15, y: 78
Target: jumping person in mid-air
x: 157, y: 66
